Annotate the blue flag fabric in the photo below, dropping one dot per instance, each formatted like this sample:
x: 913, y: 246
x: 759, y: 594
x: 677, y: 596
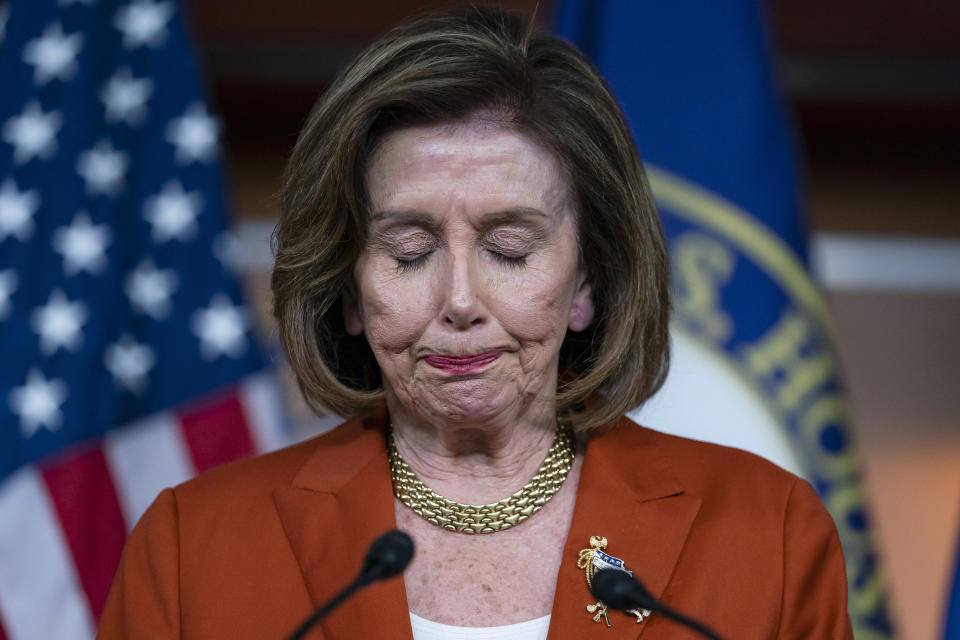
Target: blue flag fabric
x: 126, y: 349
x: 113, y: 302
x: 952, y: 631
x: 696, y: 83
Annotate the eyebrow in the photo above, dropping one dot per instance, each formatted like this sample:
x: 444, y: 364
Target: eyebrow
x: 487, y: 220
x: 413, y: 216
x: 514, y: 214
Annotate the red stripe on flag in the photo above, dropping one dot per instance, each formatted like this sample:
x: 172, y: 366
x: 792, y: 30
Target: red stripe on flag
x: 85, y: 498
x: 3, y: 635
x: 217, y: 432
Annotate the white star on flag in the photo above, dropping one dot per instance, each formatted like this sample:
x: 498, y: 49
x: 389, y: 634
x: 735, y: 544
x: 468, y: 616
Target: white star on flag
x: 59, y: 323
x: 83, y: 245
x: 221, y: 328
x: 194, y: 135
x: 38, y: 402
x: 173, y: 213
x: 129, y: 363
x: 16, y: 211
x: 149, y: 289
x: 53, y: 55
x: 125, y: 97
x: 8, y: 284
x: 33, y: 133
x: 143, y: 22
x: 229, y: 250
x: 103, y: 168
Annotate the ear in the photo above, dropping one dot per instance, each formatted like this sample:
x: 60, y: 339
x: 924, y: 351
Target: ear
x: 352, y: 314
x: 581, y: 307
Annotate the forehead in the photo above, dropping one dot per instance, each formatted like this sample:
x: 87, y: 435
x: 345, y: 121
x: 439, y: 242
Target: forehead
x: 473, y: 159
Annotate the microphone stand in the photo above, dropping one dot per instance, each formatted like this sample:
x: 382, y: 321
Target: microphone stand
x: 334, y: 602
x: 676, y: 616
x: 619, y: 589
x: 388, y: 556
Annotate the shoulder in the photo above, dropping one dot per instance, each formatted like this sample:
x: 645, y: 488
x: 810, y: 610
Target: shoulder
x: 223, y: 533
x: 700, y: 464
x: 253, y: 474
x: 244, y: 485
x: 728, y: 481
x: 760, y: 534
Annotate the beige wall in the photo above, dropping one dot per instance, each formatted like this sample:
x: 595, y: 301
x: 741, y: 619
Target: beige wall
x: 901, y: 352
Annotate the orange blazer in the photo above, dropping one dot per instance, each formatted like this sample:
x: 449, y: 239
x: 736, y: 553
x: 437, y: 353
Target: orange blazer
x: 249, y: 549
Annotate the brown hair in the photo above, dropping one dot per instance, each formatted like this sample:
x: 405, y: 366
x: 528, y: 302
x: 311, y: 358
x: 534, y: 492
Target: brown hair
x: 442, y: 69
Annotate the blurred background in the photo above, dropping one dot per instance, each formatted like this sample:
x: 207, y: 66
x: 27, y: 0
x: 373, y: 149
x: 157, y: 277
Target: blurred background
x: 873, y: 93
x: 873, y: 89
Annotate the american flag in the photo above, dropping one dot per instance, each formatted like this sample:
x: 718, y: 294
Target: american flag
x: 127, y: 359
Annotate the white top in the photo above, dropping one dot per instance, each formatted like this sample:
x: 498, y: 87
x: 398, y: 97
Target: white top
x: 424, y: 629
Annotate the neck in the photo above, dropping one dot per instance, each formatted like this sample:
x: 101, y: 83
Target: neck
x: 474, y: 463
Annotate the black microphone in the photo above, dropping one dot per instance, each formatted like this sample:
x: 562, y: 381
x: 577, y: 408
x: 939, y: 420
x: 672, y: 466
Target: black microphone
x: 388, y: 556
x: 619, y: 590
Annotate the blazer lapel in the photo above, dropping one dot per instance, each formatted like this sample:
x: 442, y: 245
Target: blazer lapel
x: 339, y: 502
x: 628, y: 495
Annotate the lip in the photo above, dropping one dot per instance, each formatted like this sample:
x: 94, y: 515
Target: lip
x: 462, y: 364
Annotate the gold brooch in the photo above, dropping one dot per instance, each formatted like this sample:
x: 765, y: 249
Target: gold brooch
x: 594, y: 559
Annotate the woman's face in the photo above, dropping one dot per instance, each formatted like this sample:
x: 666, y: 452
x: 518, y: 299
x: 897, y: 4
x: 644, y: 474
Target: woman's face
x: 470, y: 276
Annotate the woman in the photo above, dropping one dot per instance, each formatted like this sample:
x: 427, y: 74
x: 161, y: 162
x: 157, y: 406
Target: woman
x: 469, y: 262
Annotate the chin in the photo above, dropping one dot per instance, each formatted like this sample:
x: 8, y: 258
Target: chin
x: 472, y: 401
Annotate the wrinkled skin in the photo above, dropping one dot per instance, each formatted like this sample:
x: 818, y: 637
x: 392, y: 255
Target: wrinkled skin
x: 472, y: 249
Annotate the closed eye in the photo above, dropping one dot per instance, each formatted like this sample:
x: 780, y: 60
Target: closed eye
x: 411, y: 264
x: 511, y: 261
x: 511, y: 244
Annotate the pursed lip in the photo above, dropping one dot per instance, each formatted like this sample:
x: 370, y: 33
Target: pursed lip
x: 462, y: 364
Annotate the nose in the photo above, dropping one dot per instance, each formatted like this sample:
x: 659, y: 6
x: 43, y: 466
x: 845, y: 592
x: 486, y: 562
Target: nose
x: 462, y: 305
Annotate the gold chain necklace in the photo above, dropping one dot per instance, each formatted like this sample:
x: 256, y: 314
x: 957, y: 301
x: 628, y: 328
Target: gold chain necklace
x: 484, y: 518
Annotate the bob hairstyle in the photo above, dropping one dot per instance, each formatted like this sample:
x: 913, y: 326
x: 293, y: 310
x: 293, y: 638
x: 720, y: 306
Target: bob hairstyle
x: 443, y: 69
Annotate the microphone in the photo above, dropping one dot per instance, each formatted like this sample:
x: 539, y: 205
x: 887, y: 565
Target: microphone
x: 620, y: 590
x: 388, y: 556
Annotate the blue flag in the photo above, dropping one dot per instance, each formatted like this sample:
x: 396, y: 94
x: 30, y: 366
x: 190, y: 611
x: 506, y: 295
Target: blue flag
x: 116, y: 308
x: 111, y: 206
x: 952, y: 631
x: 752, y: 334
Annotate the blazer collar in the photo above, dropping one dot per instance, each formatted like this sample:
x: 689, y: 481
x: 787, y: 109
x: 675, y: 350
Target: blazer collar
x: 629, y: 495
x: 342, y: 499
x: 338, y: 503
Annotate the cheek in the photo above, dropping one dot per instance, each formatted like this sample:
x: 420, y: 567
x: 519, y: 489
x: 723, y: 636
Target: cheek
x: 395, y: 312
x: 537, y: 308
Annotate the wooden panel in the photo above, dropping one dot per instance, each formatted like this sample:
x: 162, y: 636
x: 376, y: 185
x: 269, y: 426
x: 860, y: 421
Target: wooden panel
x: 884, y: 27
x: 353, y: 20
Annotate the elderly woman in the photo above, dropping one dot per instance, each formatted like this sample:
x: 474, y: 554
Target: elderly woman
x: 470, y: 266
